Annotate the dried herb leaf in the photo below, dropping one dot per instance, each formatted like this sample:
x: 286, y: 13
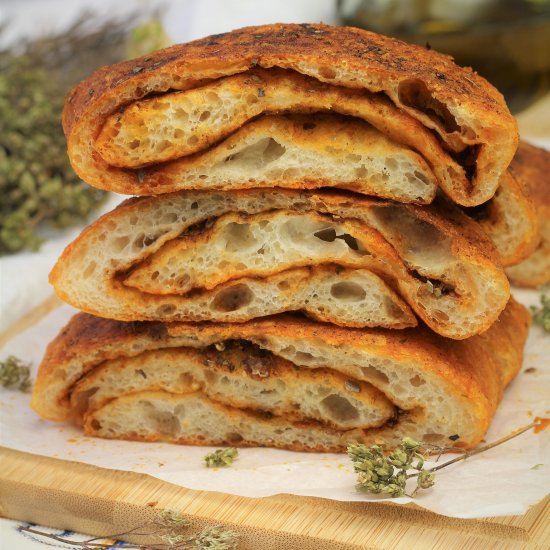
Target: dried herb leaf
x: 221, y: 457
x: 216, y: 538
x: 15, y: 373
x: 541, y: 315
x: 37, y: 183
x: 388, y: 474
x: 169, y: 529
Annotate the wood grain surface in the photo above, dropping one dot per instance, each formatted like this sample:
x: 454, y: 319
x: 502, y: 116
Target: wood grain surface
x: 99, y: 501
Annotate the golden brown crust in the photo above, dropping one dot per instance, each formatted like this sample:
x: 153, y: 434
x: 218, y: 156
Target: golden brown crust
x: 510, y: 221
x: 468, y: 363
x: 475, y: 370
x: 454, y: 98
x: 461, y: 238
x: 288, y: 45
x: 531, y: 167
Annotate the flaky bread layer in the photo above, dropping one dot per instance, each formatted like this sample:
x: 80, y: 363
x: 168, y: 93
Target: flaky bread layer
x: 116, y: 379
x: 299, y: 152
x: 464, y: 110
x: 510, y: 220
x: 240, y: 375
x: 437, y: 261
x: 319, y: 150
x: 531, y: 167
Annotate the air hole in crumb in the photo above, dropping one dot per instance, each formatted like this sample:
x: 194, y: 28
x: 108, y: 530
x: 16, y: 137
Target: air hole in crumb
x: 95, y: 425
x: 328, y: 235
x: 166, y: 423
x: 415, y: 94
x: 139, y: 241
x: 81, y: 403
x: 304, y: 357
x: 417, y: 381
x: 440, y: 316
x: 89, y: 270
x: 272, y: 151
x: 339, y: 408
x: 348, y: 292
x: 120, y: 243
x: 238, y: 236
x: 361, y: 172
x: 374, y: 375
x: 234, y: 437
x: 420, y: 176
x: 327, y: 72
x: 232, y: 298
x: 166, y: 309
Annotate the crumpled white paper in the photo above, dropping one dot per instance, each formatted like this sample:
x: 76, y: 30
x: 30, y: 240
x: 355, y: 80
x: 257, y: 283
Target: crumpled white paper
x: 501, y: 481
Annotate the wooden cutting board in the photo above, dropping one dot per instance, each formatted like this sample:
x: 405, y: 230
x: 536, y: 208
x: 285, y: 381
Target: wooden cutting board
x: 101, y: 502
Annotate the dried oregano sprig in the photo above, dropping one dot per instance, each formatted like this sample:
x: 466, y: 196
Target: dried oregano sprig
x: 168, y: 528
x: 221, y: 457
x: 378, y: 473
x: 14, y: 373
x: 541, y: 315
x: 388, y: 474
x: 37, y: 183
x: 216, y: 538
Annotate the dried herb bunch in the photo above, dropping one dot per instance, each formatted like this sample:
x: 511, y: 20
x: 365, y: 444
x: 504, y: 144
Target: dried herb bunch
x: 37, y: 183
x: 221, y: 457
x: 16, y: 374
x: 378, y: 472
x: 541, y: 315
x: 169, y: 528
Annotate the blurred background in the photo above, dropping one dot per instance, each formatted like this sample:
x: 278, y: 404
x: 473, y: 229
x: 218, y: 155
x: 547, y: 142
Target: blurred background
x: 46, y: 46
x: 506, y: 41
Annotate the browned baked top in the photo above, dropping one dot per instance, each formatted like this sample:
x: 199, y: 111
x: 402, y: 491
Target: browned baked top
x: 372, y: 55
x: 463, y: 110
x: 531, y: 167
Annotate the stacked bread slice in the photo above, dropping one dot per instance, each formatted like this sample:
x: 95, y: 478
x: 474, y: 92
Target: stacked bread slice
x: 317, y: 255
x: 531, y: 166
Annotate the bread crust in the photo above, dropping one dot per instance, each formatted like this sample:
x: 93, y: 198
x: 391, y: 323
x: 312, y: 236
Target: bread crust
x: 475, y: 371
x: 531, y: 167
x: 510, y: 220
x: 344, y: 56
x: 469, y: 254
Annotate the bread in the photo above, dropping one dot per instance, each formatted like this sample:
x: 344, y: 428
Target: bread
x: 191, y: 255
x: 531, y: 166
x: 285, y: 382
x: 510, y: 220
x: 302, y: 152
x: 138, y: 127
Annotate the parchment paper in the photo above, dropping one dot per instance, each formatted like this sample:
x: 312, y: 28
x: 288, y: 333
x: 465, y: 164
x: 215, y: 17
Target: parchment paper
x: 501, y: 481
